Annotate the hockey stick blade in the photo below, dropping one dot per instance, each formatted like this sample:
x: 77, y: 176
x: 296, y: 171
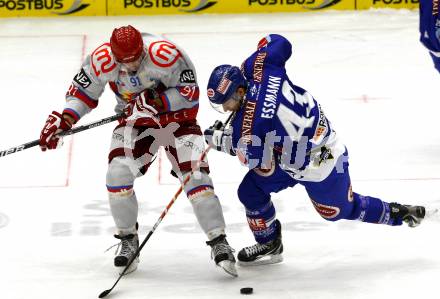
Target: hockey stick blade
x: 105, y: 293
x: 164, y: 212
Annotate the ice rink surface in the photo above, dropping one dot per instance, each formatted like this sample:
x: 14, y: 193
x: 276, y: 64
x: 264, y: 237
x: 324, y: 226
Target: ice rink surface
x: 376, y: 84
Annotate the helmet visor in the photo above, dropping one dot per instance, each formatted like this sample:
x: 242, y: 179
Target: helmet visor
x: 231, y: 104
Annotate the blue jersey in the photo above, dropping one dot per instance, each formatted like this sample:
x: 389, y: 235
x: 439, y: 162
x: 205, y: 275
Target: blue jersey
x: 280, y: 122
x: 430, y: 28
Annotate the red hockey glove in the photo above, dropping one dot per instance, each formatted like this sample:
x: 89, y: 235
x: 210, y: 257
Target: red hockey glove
x: 149, y: 99
x: 55, y: 124
x: 143, y: 103
x: 143, y: 107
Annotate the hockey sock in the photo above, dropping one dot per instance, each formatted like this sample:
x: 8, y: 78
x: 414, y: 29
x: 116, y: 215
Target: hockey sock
x: 262, y: 223
x: 372, y: 210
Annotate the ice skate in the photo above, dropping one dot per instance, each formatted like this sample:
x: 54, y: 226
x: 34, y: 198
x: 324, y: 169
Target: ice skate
x: 262, y: 254
x: 412, y: 215
x: 223, y: 254
x: 127, y: 248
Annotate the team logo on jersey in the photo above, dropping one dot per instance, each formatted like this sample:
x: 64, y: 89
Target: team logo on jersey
x: 163, y: 53
x: 326, y: 154
x: 82, y: 79
x: 258, y: 66
x: 253, y: 90
x: 187, y: 76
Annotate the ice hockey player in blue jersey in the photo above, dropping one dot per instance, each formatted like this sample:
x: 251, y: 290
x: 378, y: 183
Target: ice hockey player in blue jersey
x: 282, y: 134
x: 430, y: 29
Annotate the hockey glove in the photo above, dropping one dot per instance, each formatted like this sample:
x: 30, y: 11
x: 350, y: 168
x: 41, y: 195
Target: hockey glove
x: 144, y: 106
x: 219, y: 138
x: 148, y: 99
x: 55, y: 124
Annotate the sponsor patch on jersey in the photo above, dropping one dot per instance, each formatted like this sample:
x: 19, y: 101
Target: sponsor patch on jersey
x: 257, y: 224
x: 253, y: 89
x: 82, y: 79
x: 163, y: 53
x: 248, y: 120
x: 224, y: 85
x: 327, y: 212
x: 321, y: 128
x: 210, y: 92
x: 187, y: 76
x: 258, y: 66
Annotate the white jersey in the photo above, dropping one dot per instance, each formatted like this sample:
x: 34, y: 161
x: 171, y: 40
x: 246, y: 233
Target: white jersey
x: 165, y: 67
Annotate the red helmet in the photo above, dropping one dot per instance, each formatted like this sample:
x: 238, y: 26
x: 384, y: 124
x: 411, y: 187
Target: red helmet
x: 126, y: 44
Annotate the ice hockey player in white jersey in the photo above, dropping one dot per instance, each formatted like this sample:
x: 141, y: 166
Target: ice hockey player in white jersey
x: 156, y: 86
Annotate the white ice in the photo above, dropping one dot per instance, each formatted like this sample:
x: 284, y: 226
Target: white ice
x: 377, y: 85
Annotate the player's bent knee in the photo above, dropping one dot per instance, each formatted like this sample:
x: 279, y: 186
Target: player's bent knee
x: 119, y: 178
x: 243, y: 192
x: 205, y: 203
x: 199, y: 185
x: 329, y: 212
x: 208, y: 211
x: 251, y: 196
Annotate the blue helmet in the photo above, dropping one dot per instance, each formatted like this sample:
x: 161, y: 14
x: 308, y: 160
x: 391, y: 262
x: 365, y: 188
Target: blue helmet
x: 224, y: 81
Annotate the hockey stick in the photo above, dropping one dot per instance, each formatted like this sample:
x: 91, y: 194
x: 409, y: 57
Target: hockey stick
x: 92, y: 125
x: 164, y: 212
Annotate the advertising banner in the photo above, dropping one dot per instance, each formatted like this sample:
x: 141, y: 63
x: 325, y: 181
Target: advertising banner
x: 51, y: 8
x: 366, y: 4
x: 37, y: 8
x: 152, y: 7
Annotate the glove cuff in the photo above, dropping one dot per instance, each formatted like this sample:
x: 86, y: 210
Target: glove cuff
x: 217, y: 136
x: 64, y: 124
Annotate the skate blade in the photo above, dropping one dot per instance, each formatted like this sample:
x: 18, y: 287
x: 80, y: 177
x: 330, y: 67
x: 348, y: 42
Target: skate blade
x: 432, y: 214
x: 130, y: 269
x: 229, y: 267
x: 266, y: 260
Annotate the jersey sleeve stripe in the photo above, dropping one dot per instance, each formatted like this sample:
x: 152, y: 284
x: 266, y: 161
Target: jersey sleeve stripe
x: 72, y: 113
x: 82, y: 96
x: 166, y: 102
